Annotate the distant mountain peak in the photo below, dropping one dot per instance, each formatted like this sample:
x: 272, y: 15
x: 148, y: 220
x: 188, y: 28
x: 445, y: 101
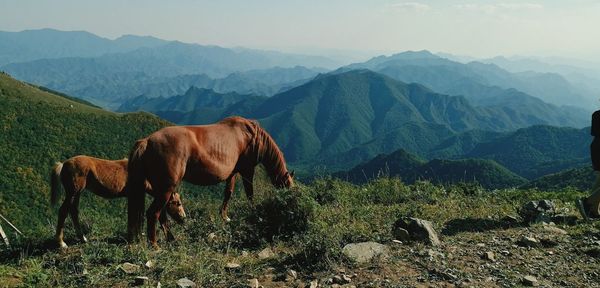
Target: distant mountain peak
x: 422, y: 54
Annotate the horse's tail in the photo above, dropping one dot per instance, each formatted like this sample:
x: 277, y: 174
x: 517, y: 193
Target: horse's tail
x: 135, y: 190
x: 55, y: 182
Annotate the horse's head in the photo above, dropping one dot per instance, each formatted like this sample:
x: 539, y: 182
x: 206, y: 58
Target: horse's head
x: 175, y: 208
x: 285, y: 181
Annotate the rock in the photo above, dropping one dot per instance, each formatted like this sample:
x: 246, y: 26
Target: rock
x: 266, y: 253
x: 140, y: 281
x: 401, y: 234
x: 530, y: 281
x: 291, y: 275
x: 365, y: 251
x: 397, y: 242
x: 313, y: 284
x: 489, y: 256
x: 253, y: 283
x: 529, y: 242
x: 510, y: 219
x: 232, y: 265
x: 211, y: 237
x: 554, y: 230
x: 185, y: 283
x: 149, y: 264
x: 537, y: 211
x: 418, y: 230
x: 129, y: 268
x: 341, y: 279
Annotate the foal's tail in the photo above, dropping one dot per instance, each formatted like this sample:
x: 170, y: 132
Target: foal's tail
x: 55, y: 182
x: 135, y: 190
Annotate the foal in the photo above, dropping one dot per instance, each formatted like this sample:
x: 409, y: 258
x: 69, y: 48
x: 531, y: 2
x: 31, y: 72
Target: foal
x: 105, y: 178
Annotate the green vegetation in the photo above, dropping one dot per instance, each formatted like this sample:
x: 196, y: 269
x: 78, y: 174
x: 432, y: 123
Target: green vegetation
x: 39, y: 128
x: 410, y: 168
x: 306, y: 227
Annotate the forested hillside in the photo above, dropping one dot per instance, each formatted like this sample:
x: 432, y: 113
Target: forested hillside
x: 40, y: 128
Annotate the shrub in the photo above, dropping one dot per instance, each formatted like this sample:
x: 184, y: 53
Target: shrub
x: 280, y: 216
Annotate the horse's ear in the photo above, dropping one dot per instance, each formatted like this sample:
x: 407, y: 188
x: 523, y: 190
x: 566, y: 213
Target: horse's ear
x: 292, y: 174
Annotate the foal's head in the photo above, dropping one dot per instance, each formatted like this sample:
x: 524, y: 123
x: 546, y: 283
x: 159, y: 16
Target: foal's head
x: 175, y: 208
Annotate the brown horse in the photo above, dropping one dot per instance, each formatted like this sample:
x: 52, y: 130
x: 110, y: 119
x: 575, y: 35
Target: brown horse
x: 105, y: 178
x: 201, y: 155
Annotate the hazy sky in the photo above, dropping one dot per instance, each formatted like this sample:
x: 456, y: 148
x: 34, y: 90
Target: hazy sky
x: 478, y: 28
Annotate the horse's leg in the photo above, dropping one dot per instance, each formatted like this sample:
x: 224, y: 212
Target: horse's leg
x: 247, y: 179
x: 62, y: 216
x: 75, y: 217
x: 229, y: 186
x: 164, y: 223
x: 153, y: 213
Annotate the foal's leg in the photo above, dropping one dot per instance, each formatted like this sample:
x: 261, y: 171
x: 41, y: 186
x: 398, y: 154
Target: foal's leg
x: 75, y: 217
x: 164, y: 223
x: 229, y: 186
x: 153, y: 213
x: 62, y: 216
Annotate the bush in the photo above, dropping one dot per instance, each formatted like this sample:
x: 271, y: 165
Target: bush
x: 280, y: 216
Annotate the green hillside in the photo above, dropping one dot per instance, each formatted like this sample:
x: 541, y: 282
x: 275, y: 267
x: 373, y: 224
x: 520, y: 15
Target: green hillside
x: 579, y: 178
x: 40, y: 128
x: 337, y: 112
x: 411, y: 168
x: 538, y: 150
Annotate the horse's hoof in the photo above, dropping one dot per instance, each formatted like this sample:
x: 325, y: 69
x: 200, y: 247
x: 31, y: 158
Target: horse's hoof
x: 83, y: 239
x: 227, y: 219
x: 63, y: 245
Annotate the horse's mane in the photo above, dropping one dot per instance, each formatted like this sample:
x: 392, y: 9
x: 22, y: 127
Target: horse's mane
x: 268, y: 152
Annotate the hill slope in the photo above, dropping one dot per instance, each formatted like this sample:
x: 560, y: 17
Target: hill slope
x: 40, y: 128
x: 410, y: 168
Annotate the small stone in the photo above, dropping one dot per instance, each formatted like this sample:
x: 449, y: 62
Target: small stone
x: 343, y: 279
x: 397, y: 242
x: 365, y: 251
x: 149, y: 264
x: 489, y: 256
x: 85, y: 272
x: 346, y: 278
x: 185, y: 283
x: 510, y: 219
x: 291, y: 275
x: 529, y: 242
x: 554, y: 230
x: 266, y: 253
x: 313, y: 284
x: 418, y: 229
x: 211, y: 237
x: 253, y: 283
x: 129, y: 268
x: 140, y: 280
x: 480, y: 245
x: 245, y: 253
x: 232, y: 265
x: 401, y: 234
x: 530, y: 281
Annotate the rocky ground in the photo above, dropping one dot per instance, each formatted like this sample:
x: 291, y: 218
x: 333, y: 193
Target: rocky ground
x: 333, y: 234
x: 545, y: 255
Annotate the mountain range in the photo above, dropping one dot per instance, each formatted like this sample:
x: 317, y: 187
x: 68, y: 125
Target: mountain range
x: 411, y: 168
x: 342, y: 119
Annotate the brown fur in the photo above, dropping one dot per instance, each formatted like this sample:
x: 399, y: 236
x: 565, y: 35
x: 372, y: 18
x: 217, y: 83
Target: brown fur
x: 105, y: 178
x: 201, y: 155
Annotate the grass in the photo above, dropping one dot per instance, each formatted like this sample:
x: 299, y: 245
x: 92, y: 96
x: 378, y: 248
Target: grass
x: 306, y: 226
